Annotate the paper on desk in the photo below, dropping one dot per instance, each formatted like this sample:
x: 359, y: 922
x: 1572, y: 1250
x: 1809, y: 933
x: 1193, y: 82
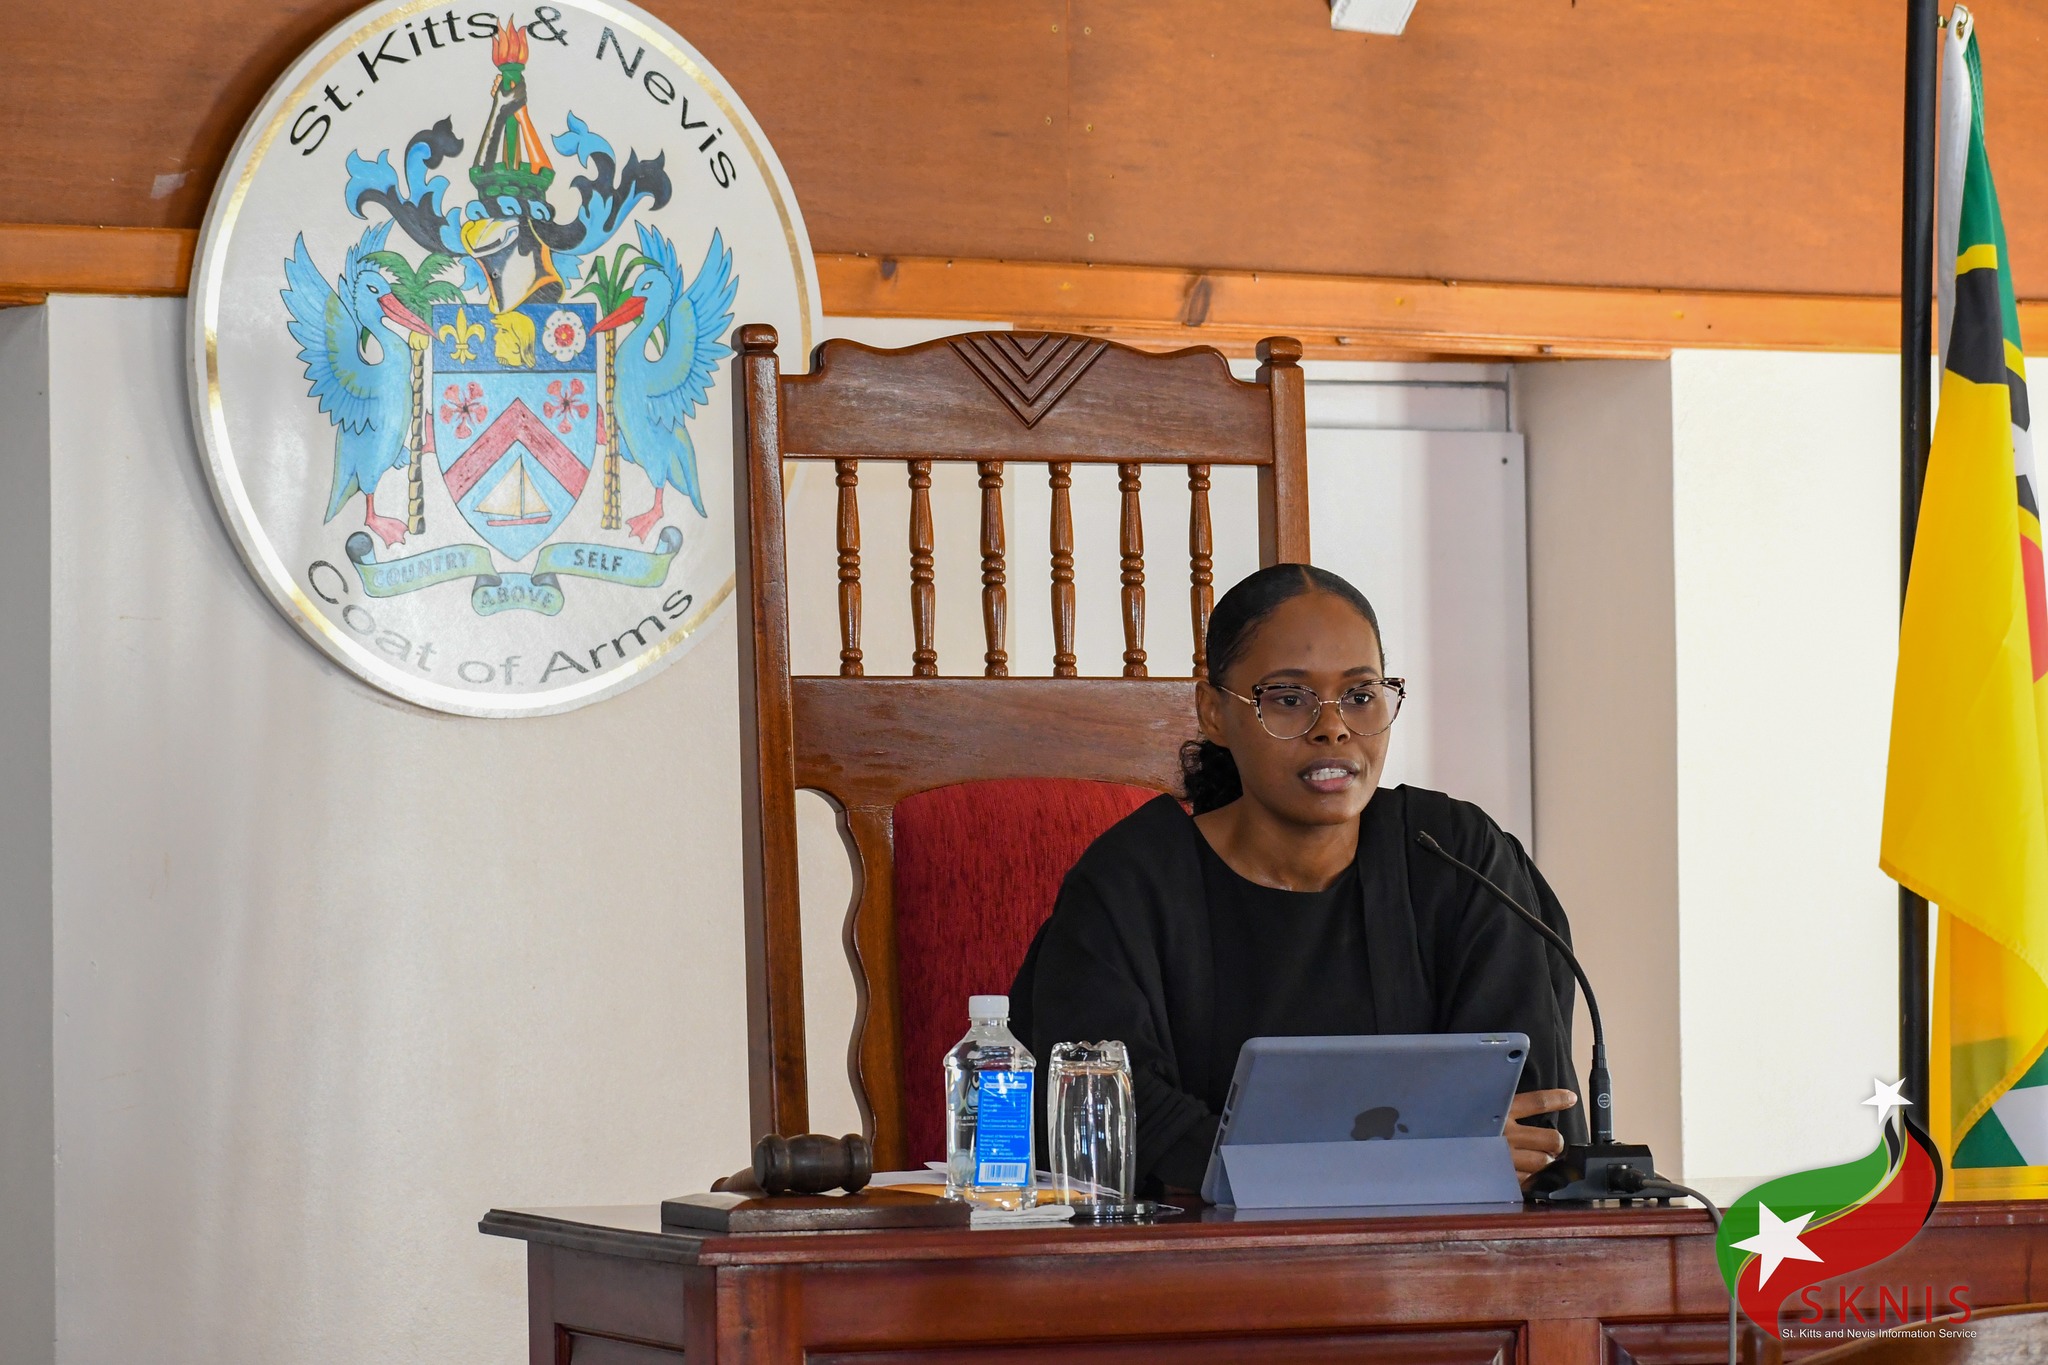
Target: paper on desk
x: 916, y: 1182
x: 923, y: 1181
x: 1044, y: 1215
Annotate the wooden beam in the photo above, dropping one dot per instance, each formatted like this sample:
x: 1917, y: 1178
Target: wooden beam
x: 39, y: 259
x: 1335, y: 316
x: 1343, y: 316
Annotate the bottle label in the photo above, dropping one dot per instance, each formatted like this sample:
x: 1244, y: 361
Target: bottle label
x: 1002, y: 1130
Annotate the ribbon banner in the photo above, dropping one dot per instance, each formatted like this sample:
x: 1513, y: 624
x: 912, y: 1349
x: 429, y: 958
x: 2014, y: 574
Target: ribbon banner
x: 394, y: 577
x: 516, y: 592
x: 610, y: 563
x: 492, y: 591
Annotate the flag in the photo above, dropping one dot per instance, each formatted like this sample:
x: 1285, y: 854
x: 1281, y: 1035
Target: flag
x: 1966, y: 794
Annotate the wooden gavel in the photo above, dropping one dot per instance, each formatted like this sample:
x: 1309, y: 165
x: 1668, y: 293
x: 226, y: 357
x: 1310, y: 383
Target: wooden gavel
x: 812, y: 1163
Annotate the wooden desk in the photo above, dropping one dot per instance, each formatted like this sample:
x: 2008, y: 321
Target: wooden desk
x: 1528, y: 1287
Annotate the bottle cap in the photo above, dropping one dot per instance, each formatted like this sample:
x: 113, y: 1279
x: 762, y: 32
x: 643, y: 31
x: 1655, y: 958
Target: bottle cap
x: 988, y: 1007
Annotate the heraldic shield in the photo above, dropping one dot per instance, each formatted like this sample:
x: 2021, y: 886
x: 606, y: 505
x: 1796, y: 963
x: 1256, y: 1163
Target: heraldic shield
x: 514, y: 399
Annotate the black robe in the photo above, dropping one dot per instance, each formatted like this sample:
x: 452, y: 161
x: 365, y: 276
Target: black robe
x: 1127, y: 955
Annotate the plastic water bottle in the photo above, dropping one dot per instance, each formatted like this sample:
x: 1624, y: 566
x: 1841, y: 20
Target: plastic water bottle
x: 991, y: 1142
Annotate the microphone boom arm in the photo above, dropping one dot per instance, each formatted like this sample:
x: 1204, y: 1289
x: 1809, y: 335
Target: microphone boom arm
x: 1534, y: 921
x: 1603, y: 1168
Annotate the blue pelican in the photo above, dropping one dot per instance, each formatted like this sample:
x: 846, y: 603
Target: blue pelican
x: 358, y: 367
x: 657, y: 389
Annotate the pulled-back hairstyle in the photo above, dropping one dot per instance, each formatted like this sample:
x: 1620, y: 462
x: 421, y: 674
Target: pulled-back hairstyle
x: 1208, y: 772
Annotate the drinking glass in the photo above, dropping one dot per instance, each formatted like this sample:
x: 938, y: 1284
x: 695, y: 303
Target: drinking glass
x: 1089, y: 1124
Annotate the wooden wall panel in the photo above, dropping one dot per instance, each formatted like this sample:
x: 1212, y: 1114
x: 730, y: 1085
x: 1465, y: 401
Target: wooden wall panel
x: 936, y: 124
x: 1738, y: 145
x: 1726, y: 145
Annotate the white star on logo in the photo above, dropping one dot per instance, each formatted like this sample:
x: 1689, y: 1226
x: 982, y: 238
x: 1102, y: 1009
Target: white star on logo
x: 1886, y: 1097
x: 1777, y: 1241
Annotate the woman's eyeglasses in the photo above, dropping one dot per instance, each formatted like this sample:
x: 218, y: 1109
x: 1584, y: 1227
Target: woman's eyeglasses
x: 1289, y: 711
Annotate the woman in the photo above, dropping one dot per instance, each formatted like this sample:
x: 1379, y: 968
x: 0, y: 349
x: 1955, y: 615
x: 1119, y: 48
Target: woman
x: 1295, y: 900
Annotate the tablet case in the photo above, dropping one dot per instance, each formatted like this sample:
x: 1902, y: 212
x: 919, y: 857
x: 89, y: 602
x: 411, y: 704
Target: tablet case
x: 1312, y: 1175
x: 1433, y: 1167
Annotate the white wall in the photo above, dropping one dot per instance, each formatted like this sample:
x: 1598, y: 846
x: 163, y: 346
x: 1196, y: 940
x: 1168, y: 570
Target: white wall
x: 1431, y: 525
x: 333, y: 975
x: 1714, y: 609
x: 28, y: 1196
x: 1786, y: 551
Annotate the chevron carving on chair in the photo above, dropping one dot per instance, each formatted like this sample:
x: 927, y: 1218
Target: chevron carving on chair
x: 1029, y: 371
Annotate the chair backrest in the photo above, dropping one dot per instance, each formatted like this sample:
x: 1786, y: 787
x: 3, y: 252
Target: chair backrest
x: 992, y: 398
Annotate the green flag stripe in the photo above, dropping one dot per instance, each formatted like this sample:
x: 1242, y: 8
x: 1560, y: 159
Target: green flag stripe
x: 2037, y: 1074
x: 1987, y: 1144
x: 1981, y: 222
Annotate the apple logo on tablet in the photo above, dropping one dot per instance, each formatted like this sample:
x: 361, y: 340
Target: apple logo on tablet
x: 1377, y: 1123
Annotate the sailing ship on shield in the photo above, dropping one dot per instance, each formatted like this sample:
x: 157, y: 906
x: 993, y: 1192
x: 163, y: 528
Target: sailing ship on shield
x: 496, y: 356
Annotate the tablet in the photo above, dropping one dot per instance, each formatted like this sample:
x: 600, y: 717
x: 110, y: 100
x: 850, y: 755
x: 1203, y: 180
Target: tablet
x: 1368, y: 1087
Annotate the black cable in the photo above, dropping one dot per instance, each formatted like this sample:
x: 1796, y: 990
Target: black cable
x: 1658, y: 1186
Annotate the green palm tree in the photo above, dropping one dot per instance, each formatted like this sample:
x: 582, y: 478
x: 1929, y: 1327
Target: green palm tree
x: 611, y: 283
x: 418, y: 288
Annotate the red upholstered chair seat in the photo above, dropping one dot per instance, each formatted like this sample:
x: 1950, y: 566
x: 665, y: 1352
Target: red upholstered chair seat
x: 978, y: 866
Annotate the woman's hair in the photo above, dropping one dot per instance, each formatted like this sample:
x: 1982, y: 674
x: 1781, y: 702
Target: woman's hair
x: 1208, y: 772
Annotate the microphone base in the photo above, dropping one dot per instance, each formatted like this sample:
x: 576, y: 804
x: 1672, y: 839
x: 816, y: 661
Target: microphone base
x: 1588, y: 1172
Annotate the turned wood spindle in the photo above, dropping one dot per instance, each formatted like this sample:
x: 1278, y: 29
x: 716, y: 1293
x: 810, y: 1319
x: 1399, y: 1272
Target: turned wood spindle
x: 847, y: 477
x: 1131, y: 541
x: 1201, y: 564
x: 1060, y: 475
x: 924, y: 658
x: 995, y: 599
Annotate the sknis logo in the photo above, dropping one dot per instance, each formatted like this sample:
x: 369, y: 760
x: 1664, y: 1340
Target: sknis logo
x: 1793, y: 1232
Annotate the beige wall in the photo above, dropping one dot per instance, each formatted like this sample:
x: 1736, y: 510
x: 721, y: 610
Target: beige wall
x: 1602, y: 660
x: 28, y: 1196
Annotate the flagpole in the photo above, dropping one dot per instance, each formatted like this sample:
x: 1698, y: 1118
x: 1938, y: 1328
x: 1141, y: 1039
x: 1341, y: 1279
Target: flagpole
x: 1916, y: 426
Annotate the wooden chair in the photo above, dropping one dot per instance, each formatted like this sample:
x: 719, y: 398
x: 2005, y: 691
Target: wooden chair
x: 993, y: 398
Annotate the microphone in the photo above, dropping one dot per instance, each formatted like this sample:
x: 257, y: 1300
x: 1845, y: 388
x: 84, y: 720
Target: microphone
x: 1603, y: 1168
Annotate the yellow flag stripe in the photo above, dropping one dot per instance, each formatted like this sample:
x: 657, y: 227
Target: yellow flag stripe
x: 1966, y: 822
x: 1983, y: 256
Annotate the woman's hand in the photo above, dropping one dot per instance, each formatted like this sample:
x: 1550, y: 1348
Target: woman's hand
x: 1534, y: 1147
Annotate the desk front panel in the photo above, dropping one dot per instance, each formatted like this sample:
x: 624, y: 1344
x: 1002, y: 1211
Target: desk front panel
x: 1611, y: 1288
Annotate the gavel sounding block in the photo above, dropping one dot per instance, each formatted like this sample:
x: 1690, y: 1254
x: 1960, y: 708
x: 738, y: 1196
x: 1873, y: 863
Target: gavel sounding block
x: 871, y: 1208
